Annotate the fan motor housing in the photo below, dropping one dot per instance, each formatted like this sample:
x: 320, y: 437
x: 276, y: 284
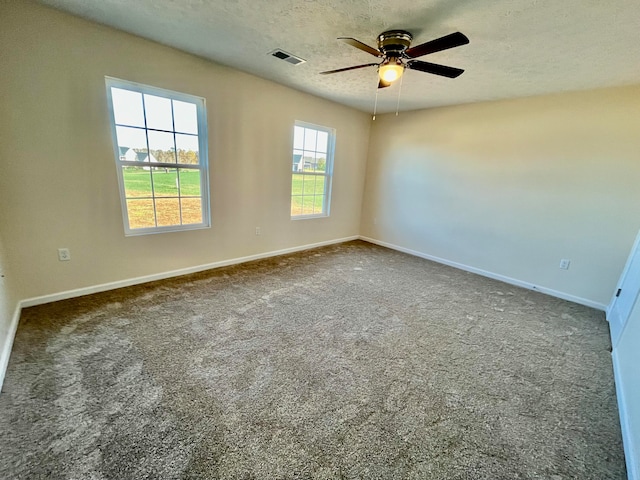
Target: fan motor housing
x: 393, y: 43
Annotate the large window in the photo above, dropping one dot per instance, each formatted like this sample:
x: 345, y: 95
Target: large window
x: 312, y: 168
x: 160, y: 140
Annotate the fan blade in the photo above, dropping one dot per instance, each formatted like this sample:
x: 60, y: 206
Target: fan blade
x: 434, y: 68
x: 362, y: 46
x: 383, y: 84
x: 348, y: 68
x: 443, y: 43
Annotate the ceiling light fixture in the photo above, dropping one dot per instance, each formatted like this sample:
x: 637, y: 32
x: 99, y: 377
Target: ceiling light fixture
x: 391, y: 70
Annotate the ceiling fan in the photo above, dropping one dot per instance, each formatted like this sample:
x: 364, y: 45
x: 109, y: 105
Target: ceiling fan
x: 394, y: 48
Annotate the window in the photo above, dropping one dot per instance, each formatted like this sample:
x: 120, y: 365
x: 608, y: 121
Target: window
x: 160, y: 141
x: 312, y: 168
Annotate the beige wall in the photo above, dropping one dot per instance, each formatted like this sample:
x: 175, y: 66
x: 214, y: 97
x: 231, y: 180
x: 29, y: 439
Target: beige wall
x: 58, y: 186
x: 511, y: 187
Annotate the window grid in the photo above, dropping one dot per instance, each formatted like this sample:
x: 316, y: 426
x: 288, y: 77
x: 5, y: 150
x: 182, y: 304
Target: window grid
x: 153, y: 197
x: 176, y: 166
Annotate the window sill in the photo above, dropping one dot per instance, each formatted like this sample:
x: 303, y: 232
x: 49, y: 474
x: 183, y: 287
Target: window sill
x: 155, y: 230
x: 309, y: 217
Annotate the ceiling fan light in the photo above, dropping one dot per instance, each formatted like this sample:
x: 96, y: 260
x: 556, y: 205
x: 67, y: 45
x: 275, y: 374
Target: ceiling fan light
x: 390, y: 72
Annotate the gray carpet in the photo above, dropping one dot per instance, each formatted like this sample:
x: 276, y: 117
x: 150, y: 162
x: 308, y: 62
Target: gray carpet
x: 350, y: 361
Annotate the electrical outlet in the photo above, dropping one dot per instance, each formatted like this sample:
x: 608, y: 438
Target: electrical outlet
x: 258, y: 231
x: 564, y: 264
x: 64, y: 255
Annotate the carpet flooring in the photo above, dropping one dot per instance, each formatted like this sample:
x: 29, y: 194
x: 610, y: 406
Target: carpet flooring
x: 345, y: 362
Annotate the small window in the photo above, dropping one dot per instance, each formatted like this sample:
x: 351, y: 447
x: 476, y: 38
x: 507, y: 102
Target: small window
x: 312, y: 168
x: 160, y: 141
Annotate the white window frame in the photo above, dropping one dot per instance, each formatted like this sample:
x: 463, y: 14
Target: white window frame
x: 328, y: 173
x: 203, y: 149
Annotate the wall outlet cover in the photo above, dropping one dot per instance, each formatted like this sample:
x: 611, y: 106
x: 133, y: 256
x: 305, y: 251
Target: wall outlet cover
x: 64, y: 255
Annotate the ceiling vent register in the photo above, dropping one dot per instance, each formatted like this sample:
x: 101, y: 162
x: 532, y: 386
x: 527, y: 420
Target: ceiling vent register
x: 287, y: 57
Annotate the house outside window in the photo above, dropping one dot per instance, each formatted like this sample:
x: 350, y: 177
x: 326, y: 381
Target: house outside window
x: 160, y: 146
x: 311, y: 170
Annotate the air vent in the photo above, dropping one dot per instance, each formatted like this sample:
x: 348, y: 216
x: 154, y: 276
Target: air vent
x: 287, y: 57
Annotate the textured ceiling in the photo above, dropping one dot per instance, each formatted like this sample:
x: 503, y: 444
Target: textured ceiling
x: 518, y: 47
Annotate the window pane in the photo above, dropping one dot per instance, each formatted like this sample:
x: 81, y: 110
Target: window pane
x: 185, y: 117
x: 311, y: 160
x: 323, y: 141
x: 320, y: 181
x: 297, y: 157
x: 137, y: 182
x: 140, y: 213
x: 318, y: 203
x: 131, y: 142
x: 162, y: 147
x: 296, y: 184
x: 158, y: 110
x: 298, y: 138
x: 187, y: 146
x: 307, y: 161
x: 127, y: 107
x: 307, y: 205
x: 309, y: 184
x: 310, y: 139
x: 165, y: 182
x: 189, y: 182
x: 191, y: 210
x: 296, y: 205
x: 321, y: 162
x: 168, y: 211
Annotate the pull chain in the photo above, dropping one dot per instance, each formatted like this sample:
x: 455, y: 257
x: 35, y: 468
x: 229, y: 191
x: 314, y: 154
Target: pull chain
x: 375, y: 105
x: 399, y: 90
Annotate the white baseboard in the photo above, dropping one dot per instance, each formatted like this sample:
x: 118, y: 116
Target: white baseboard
x: 8, y: 343
x: 630, y: 450
x: 495, y: 276
x: 78, y: 292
